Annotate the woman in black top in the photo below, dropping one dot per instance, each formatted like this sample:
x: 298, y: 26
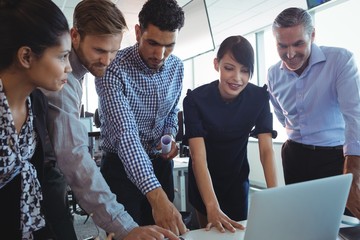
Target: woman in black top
x: 219, y: 118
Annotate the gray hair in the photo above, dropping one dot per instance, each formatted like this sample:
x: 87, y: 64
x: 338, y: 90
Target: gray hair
x: 291, y: 17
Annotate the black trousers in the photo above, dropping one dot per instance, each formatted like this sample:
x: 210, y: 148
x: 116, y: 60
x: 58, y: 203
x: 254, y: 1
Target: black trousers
x: 10, y: 209
x: 302, y: 164
x: 56, y: 207
x: 135, y: 203
x: 10, y: 214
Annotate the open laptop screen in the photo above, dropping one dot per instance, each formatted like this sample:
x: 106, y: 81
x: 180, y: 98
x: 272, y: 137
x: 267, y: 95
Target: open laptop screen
x: 307, y: 210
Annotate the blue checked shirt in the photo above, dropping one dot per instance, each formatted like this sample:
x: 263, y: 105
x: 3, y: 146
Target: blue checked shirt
x: 137, y: 106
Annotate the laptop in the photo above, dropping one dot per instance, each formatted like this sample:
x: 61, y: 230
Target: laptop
x: 309, y: 210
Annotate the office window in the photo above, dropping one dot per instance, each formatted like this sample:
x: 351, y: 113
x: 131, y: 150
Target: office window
x: 204, y: 71
x: 271, y: 57
x: 338, y: 26
x: 252, y: 39
x: 188, y: 82
x: 89, y: 97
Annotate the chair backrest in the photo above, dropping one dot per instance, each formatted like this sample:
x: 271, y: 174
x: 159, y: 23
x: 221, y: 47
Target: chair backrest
x: 179, y: 136
x: 97, y: 119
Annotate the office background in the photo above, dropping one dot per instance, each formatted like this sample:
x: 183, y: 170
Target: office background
x: 335, y: 24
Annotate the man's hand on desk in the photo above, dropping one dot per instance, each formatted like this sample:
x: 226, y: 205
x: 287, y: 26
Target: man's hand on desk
x: 165, y: 213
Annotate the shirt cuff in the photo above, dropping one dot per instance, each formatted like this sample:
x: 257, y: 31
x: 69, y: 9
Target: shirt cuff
x: 352, y: 149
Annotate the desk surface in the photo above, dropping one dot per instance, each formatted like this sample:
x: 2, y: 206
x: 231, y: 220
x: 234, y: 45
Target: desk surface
x: 214, y: 234
x: 181, y: 163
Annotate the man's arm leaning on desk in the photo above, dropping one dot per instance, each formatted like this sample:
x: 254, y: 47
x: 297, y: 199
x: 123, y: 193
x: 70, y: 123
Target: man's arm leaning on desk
x: 352, y: 165
x: 165, y: 213
x: 70, y: 142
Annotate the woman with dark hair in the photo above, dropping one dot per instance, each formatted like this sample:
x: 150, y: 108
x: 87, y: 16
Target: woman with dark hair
x: 34, y: 49
x: 219, y: 118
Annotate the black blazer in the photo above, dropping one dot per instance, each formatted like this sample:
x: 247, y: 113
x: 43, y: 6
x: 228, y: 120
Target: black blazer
x: 40, y: 107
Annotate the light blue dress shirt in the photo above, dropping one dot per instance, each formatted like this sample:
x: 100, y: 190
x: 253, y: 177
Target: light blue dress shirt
x: 321, y: 106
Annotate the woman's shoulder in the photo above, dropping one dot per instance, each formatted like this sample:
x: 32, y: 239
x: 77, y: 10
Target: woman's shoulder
x: 200, y: 94
x: 257, y: 90
x: 204, y: 89
x: 257, y: 87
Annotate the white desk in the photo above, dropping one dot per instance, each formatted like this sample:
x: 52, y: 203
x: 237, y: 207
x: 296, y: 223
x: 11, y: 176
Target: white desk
x: 214, y: 234
x: 180, y: 167
x: 181, y: 163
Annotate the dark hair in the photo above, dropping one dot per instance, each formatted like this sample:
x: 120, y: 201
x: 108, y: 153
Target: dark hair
x: 241, y: 49
x: 167, y: 15
x: 291, y: 17
x: 95, y: 17
x: 37, y: 24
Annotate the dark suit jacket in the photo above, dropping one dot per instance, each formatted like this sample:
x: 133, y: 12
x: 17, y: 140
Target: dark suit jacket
x: 39, y: 106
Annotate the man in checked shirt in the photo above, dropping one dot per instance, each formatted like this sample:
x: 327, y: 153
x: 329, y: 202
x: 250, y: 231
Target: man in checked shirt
x: 138, y: 97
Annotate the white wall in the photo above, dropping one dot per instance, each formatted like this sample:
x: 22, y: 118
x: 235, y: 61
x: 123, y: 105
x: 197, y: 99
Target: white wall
x: 256, y: 171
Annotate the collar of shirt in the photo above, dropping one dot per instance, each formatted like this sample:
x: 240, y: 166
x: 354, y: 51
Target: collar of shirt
x: 78, y: 70
x: 141, y: 64
x: 316, y: 56
x: 328, y: 80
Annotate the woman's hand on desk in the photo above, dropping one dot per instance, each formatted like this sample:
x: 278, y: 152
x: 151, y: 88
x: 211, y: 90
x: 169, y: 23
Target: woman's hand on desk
x: 216, y: 218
